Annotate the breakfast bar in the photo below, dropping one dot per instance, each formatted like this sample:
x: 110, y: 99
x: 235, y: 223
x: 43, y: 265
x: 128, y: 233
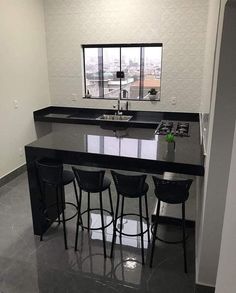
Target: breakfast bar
x: 132, y: 149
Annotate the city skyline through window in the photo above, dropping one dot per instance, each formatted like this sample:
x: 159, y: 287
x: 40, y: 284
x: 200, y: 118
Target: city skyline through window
x: 141, y: 65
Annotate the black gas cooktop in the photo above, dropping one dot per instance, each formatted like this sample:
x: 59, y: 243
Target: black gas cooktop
x: 178, y: 128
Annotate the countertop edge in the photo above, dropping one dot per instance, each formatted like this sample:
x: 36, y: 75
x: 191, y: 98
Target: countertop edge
x: 157, y: 166
x: 149, y: 119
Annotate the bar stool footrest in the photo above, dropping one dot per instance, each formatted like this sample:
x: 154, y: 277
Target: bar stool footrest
x: 132, y: 235
x: 99, y: 228
x: 166, y: 241
x: 66, y: 203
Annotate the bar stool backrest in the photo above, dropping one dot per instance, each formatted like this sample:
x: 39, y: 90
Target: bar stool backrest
x: 50, y: 172
x: 129, y: 185
x: 172, y: 191
x: 89, y: 180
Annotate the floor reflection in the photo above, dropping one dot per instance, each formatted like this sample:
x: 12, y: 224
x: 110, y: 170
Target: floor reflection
x: 30, y: 266
x: 130, y: 226
x: 125, y: 268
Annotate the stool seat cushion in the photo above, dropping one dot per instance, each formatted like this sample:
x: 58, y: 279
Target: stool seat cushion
x: 91, y: 186
x: 128, y: 191
x: 172, y: 191
x: 172, y: 197
x: 68, y: 177
x: 132, y: 186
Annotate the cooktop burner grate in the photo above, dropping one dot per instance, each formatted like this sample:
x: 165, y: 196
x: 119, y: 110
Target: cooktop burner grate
x: 178, y: 128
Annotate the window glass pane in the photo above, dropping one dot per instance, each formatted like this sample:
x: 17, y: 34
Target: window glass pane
x: 111, y: 64
x: 130, y: 64
x: 141, y: 65
x: 152, y: 69
x: 93, y: 71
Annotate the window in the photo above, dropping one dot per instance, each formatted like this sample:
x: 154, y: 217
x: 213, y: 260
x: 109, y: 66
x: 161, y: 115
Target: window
x: 141, y: 64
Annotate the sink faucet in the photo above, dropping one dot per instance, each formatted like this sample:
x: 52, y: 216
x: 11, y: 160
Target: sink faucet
x: 125, y: 94
x: 118, y: 104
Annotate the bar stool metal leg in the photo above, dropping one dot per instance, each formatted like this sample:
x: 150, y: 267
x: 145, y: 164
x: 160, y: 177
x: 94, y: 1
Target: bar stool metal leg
x: 110, y: 198
x: 184, y: 238
x: 122, y: 213
x: 155, y: 232
x: 76, y: 194
x: 147, y: 217
x: 88, y: 211
x: 141, y: 227
x: 79, y: 208
x: 114, y: 226
x: 77, y: 231
x: 58, y: 211
x: 103, y: 229
x: 79, y: 219
x: 64, y: 223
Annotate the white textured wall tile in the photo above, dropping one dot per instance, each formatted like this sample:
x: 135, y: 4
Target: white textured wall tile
x: 180, y: 25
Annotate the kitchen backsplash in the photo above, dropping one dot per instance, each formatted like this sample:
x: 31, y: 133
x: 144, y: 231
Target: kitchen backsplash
x: 180, y: 25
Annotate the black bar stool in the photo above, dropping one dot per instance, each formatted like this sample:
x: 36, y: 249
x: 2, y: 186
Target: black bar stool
x: 171, y: 192
x: 52, y: 176
x: 93, y: 182
x: 130, y: 186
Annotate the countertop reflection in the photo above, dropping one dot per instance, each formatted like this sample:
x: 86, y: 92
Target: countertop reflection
x: 133, y: 143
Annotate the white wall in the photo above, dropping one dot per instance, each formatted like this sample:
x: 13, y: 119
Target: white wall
x: 210, y: 51
x: 181, y: 26
x: 221, y: 131
x: 226, y: 276
x: 23, y: 76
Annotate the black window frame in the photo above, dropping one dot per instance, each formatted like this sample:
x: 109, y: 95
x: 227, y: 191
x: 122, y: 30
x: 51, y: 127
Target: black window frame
x: 137, y: 45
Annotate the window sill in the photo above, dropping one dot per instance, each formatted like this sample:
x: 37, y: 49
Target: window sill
x: 127, y: 100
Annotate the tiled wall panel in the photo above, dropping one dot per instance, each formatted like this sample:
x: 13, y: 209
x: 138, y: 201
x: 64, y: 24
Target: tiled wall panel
x: 180, y: 25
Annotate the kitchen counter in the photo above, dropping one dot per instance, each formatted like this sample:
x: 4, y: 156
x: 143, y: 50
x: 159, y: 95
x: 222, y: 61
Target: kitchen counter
x: 145, y: 119
x: 135, y: 149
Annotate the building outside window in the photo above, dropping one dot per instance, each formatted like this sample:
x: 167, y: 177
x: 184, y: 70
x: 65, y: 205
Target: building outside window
x: 141, y: 64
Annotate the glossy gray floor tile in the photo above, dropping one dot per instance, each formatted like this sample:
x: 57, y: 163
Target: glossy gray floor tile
x: 28, y: 265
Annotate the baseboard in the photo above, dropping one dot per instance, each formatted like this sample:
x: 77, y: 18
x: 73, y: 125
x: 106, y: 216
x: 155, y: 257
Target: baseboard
x: 10, y: 176
x: 204, y: 289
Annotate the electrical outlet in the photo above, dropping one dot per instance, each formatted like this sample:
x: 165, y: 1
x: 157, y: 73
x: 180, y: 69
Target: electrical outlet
x: 173, y: 100
x: 16, y: 104
x: 74, y: 97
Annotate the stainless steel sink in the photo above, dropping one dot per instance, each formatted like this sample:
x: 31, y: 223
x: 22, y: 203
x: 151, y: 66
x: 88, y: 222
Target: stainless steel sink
x: 107, y: 117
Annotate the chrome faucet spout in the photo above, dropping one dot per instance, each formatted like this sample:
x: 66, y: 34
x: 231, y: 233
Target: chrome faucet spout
x: 125, y: 95
x: 118, y: 104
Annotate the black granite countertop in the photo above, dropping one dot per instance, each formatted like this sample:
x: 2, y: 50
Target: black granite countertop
x: 131, y: 150
x: 145, y: 119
